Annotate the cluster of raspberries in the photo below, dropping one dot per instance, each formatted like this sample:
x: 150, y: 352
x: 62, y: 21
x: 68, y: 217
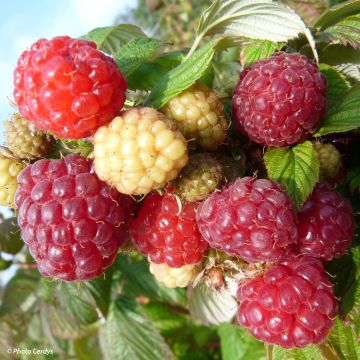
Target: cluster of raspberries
x: 74, y: 214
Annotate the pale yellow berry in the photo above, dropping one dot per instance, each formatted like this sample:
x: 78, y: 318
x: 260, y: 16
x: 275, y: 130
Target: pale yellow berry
x: 9, y: 171
x: 174, y: 277
x: 23, y: 140
x: 199, y: 114
x: 329, y: 160
x: 139, y: 151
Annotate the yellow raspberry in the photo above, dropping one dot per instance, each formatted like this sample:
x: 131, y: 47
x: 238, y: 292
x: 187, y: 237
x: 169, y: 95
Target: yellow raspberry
x: 174, y: 277
x: 199, y: 114
x: 329, y: 160
x: 9, y: 171
x: 23, y: 140
x: 139, y: 151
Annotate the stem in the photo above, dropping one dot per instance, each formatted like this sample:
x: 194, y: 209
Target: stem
x: 269, y: 351
x: 194, y: 46
x: 25, y: 265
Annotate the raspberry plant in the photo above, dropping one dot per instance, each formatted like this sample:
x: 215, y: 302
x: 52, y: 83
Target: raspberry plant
x: 197, y: 202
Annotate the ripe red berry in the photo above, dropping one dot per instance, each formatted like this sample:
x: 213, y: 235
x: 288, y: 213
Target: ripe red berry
x: 253, y: 219
x: 279, y: 100
x: 291, y: 305
x: 68, y: 87
x: 326, y: 226
x: 167, y: 232
x: 72, y: 222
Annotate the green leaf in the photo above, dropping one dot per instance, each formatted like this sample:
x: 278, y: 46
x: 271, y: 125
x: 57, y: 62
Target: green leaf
x: 72, y: 310
x: 308, y: 353
x: 343, y: 339
x: 350, y: 70
x: 336, y: 83
x: 296, y: 169
x: 139, y: 281
x: 343, y: 117
x: 353, y: 177
x: 346, y: 32
x: 237, y: 343
x: 111, y: 38
x: 87, y: 348
x: 10, y: 239
x: 338, y: 13
x: 128, y: 334
x: 258, y: 49
x: 134, y: 53
x: 256, y: 19
x: 7, y: 341
x: 182, y: 76
x: 211, y: 307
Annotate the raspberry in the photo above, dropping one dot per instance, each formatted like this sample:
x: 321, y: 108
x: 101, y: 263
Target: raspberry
x: 173, y: 277
x: 253, y: 219
x: 329, y: 160
x: 280, y: 100
x: 72, y: 222
x: 9, y: 171
x: 199, y: 114
x: 326, y: 226
x: 25, y: 141
x: 66, y: 86
x: 199, y: 178
x: 291, y: 305
x: 168, y: 233
x: 139, y: 151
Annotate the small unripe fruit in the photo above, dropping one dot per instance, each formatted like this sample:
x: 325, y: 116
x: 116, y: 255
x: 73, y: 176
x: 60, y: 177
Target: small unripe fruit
x: 24, y: 140
x: 174, y: 277
x: 139, y: 151
x: 199, y: 114
x: 199, y: 178
x: 9, y: 171
x: 329, y: 160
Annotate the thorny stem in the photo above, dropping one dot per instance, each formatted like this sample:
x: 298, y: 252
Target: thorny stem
x: 328, y: 352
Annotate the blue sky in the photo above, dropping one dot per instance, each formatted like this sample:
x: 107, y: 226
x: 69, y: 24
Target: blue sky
x: 23, y: 22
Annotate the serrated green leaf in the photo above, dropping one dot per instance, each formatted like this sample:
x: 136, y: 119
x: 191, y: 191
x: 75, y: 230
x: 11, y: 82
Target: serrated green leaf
x: 351, y: 71
x: 237, y: 343
x: 211, y: 307
x: 72, y: 310
x: 110, y: 39
x: 128, y: 334
x: 337, y: 13
x: 182, y: 76
x: 258, y: 49
x: 346, y: 32
x: 255, y: 19
x: 296, y: 169
x: 134, y: 53
x: 345, y: 116
x: 344, y: 341
x: 10, y: 239
x: 336, y: 83
x: 139, y: 281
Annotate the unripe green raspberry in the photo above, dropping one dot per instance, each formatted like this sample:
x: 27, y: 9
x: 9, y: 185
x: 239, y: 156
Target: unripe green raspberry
x: 200, y: 177
x: 199, y: 114
x: 9, y: 171
x: 174, y: 277
x: 23, y: 140
x: 329, y: 160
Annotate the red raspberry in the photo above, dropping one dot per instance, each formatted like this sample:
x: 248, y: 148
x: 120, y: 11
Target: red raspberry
x: 279, y: 100
x: 291, y: 305
x: 326, y: 226
x: 73, y: 222
x: 168, y: 233
x: 66, y: 86
x: 253, y: 219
